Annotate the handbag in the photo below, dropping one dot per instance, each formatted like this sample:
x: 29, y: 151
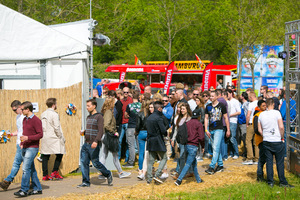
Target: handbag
x: 111, y: 142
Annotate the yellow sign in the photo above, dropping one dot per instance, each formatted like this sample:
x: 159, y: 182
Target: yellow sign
x: 182, y: 65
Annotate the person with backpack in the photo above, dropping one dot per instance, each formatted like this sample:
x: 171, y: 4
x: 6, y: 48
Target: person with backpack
x: 261, y: 106
x: 195, y: 136
x: 242, y: 120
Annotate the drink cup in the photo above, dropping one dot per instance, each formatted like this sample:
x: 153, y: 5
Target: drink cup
x: 82, y: 132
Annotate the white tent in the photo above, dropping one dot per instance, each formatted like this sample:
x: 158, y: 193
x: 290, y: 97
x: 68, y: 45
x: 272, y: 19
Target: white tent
x: 36, y: 56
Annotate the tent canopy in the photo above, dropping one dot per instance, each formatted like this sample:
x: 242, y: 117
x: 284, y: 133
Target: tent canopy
x: 22, y: 38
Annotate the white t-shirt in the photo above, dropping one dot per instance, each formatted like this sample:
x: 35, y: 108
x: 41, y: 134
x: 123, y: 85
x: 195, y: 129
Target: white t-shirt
x: 251, y: 108
x: 234, y: 107
x: 269, y: 123
x: 19, y: 127
x: 192, y: 104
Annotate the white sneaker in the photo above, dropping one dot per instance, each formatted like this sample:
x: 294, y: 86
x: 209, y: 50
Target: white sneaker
x: 164, y: 176
x: 101, y: 177
x: 248, y: 162
x: 199, y: 159
x: 141, y: 177
x: 124, y: 174
x: 229, y: 157
x: 255, y: 163
x: 235, y: 157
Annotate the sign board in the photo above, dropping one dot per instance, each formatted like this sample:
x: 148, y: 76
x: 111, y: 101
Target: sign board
x: 35, y: 107
x: 182, y: 65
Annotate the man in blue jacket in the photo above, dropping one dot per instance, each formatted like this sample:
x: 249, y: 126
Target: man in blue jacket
x: 155, y: 142
x: 292, y: 115
x: 167, y: 110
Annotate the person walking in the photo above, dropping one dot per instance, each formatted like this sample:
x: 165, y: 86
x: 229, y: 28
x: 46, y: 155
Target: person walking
x: 214, y: 113
x: 155, y: 142
x: 270, y: 126
x: 53, y: 141
x: 90, y: 149
x: 235, y: 110
x: 251, y: 159
x: 131, y: 113
x: 16, y: 107
x: 32, y: 133
x: 111, y: 132
x: 195, y: 137
x: 123, y: 128
x: 141, y: 130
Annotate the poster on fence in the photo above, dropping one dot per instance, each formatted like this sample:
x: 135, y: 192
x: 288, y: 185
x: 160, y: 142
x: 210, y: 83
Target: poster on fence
x: 246, y: 82
x: 274, y: 83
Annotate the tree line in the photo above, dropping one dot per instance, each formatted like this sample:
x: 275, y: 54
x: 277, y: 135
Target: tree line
x: 168, y: 30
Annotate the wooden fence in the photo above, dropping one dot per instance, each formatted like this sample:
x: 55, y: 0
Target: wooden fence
x: 70, y: 125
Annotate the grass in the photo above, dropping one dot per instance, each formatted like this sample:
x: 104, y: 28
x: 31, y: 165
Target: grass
x: 245, y: 191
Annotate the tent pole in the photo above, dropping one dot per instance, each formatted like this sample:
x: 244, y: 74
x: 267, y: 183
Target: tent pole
x: 91, y: 29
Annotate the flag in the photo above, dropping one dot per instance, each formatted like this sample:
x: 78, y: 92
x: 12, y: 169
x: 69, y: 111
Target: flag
x: 137, y: 61
x: 122, y: 76
x: 201, y: 64
x: 206, y: 78
x: 168, y: 78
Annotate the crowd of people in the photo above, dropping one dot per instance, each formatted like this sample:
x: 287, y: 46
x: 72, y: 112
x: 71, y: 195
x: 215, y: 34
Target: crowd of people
x: 187, y: 126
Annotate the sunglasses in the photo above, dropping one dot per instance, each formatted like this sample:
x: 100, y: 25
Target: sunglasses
x: 165, y: 100
x: 126, y: 92
x: 205, y: 96
x: 195, y: 94
x: 15, y: 109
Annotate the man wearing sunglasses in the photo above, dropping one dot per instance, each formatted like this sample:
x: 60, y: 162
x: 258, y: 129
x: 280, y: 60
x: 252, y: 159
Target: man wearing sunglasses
x: 123, y: 128
x: 16, y: 107
x: 192, y: 102
x: 167, y: 110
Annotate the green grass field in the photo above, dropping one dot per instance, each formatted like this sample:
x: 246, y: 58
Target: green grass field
x: 258, y: 191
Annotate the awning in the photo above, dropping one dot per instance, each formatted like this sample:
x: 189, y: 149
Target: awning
x: 138, y: 68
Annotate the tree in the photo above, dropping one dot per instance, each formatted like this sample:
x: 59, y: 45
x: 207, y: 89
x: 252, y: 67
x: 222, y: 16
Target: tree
x: 249, y: 23
x: 168, y: 18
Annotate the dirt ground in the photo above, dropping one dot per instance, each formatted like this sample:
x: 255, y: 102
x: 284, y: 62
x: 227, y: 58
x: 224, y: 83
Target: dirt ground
x: 131, y: 187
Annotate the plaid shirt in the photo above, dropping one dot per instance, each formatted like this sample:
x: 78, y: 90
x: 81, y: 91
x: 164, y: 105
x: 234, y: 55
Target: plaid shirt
x: 94, y: 128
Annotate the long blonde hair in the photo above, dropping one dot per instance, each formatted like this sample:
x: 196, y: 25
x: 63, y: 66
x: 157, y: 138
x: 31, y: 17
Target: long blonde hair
x: 108, y: 104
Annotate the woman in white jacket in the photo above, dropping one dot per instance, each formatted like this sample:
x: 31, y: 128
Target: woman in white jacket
x: 53, y: 141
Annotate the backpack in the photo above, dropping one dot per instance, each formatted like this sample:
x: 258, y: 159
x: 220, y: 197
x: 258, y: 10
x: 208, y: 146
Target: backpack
x: 242, y: 116
x: 182, y: 134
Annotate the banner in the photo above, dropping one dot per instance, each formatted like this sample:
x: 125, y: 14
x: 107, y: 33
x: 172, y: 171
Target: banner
x: 207, y: 77
x: 201, y: 64
x: 122, y: 76
x: 271, y: 64
x: 168, y: 78
x: 137, y: 61
x: 274, y: 83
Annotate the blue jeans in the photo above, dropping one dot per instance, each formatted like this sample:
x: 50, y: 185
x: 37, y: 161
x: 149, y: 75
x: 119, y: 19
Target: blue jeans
x: 234, y: 150
x: 191, y: 161
x: 207, y: 147
x: 224, y: 146
x: 88, y: 154
x: 142, y: 141
x: 261, y: 161
x: 181, y: 159
x: 277, y: 149
x: 29, y: 171
x: 122, y: 133
x: 16, y: 165
x: 217, y: 136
